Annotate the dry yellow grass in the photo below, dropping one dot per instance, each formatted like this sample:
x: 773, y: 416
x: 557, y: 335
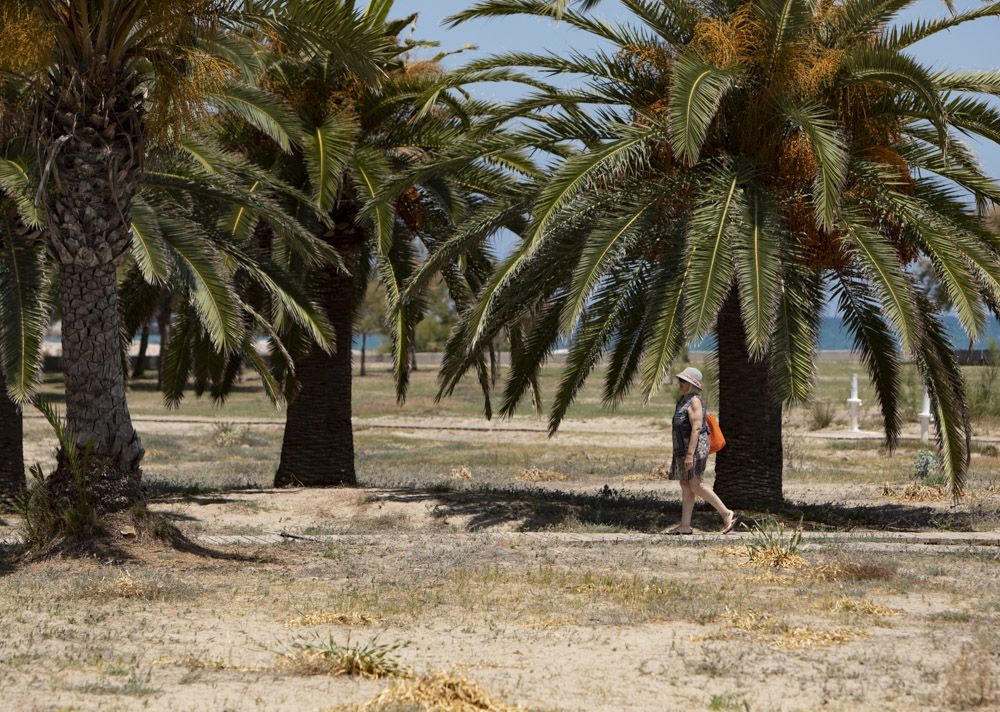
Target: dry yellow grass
x: 773, y: 559
x: 660, y: 473
x: 325, y: 657
x: 777, y: 633
x: 970, y: 683
x: 125, y: 585
x: 864, y: 607
x: 461, y: 473
x: 441, y: 692
x: 915, y: 492
x: 355, y: 618
x: 533, y: 474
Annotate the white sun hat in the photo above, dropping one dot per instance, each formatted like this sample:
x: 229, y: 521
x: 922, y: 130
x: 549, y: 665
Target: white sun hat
x: 691, y: 375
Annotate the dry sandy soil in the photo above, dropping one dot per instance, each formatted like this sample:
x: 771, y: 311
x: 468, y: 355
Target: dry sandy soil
x: 538, y: 622
x: 665, y: 623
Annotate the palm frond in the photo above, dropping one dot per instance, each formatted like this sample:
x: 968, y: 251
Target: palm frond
x: 24, y: 314
x: 696, y: 89
x: 327, y: 150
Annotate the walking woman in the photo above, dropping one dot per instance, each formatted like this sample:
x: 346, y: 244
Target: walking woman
x: 690, y: 431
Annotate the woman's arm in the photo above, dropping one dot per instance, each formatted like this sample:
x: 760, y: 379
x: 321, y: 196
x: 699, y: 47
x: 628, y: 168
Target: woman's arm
x: 696, y: 417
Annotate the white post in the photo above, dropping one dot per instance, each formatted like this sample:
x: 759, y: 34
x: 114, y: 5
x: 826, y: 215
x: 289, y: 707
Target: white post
x: 924, y: 416
x: 854, y: 405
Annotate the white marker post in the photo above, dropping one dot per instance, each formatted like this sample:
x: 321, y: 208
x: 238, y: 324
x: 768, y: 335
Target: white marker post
x: 924, y: 416
x: 854, y: 405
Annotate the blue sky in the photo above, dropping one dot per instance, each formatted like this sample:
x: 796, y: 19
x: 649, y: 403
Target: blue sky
x: 974, y: 45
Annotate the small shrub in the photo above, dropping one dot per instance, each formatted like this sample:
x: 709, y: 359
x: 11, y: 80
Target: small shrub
x: 74, y: 519
x: 990, y: 451
x: 926, y: 466
x: 822, y: 415
x: 327, y: 657
x: 769, y: 546
x: 229, y: 434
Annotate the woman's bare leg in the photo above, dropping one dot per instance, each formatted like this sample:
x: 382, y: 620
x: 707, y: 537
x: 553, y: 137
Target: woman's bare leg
x: 697, y: 488
x: 687, y: 507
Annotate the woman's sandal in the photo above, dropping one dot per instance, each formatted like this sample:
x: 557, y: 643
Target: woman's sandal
x: 732, y: 524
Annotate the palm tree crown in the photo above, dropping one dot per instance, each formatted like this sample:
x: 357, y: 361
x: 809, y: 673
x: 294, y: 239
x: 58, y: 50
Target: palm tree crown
x: 774, y: 150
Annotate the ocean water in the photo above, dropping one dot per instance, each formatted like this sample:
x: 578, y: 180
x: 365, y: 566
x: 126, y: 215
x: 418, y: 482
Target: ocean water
x: 833, y: 336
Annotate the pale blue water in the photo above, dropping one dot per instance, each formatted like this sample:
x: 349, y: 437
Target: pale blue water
x: 833, y: 336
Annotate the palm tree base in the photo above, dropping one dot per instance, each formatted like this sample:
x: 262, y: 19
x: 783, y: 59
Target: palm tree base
x: 106, y: 486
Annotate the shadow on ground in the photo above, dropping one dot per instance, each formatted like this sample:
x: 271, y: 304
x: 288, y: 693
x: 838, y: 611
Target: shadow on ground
x: 535, y: 509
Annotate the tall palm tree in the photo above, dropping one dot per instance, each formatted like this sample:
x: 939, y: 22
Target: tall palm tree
x: 112, y: 75
x: 728, y: 164
x: 363, y: 155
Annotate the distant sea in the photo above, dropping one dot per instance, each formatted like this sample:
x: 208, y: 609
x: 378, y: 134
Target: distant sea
x: 833, y: 336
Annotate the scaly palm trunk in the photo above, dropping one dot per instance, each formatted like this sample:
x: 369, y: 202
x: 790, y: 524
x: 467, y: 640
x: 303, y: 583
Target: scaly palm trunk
x: 748, y: 470
x: 90, y: 143
x: 11, y: 446
x: 318, y: 445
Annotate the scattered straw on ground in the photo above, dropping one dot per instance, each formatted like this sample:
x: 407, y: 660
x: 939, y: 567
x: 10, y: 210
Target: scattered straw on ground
x: 660, y: 473
x: 350, y: 618
x: 125, y: 585
x: 799, y: 638
x: 461, y: 473
x: 442, y: 692
x: 864, y: 607
x: 533, y: 474
x: 915, y: 492
x: 773, y: 559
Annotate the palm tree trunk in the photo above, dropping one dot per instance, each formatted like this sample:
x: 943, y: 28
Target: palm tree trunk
x: 89, y: 136
x: 11, y: 445
x: 748, y: 470
x: 364, y: 340
x: 96, y: 407
x: 318, y: 445
x: 140, y: 363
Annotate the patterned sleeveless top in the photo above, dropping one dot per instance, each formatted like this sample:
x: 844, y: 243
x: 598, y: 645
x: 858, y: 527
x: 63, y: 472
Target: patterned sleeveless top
x: 681, y: 426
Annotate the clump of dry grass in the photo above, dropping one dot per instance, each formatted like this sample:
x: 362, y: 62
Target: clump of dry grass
x: 915, y: 492
x: 776, y: 632
x: 461, y: 473
x: 864, y: 607
x: 327, y: 657
x: 805, y: 637
x: 969, y: 682
x: 533, y: 474
x: 441, y: 692
x: 355, y: 618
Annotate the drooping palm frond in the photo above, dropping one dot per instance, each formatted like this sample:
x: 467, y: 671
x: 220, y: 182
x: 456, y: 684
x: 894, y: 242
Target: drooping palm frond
x: 25, y: 306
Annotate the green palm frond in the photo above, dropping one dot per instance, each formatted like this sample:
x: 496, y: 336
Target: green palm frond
x: 327, y: 150
x: 696, y: 89
x: 876, y: 344
x: 16, y: 183
x: 831, y: 158
x: 881, y: 264
x: 24, y: 313
x: 756, y: 247
x: 263, y: 111
x: 709, y: 238
x: 667, y: 331
x: 935, y: 358
x: 611, y: 161
x: 599, y: 323
x: 607, y: 240
x: 202, y: 269
x: 148, y: 250
x: 793, y: 363
x: 902, y: 36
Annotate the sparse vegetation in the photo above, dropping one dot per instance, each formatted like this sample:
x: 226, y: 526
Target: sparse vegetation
x: 319, y: 656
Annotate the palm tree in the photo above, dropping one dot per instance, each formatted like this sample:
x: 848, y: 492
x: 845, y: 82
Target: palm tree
x: 729, y: 164
x: 112, y: 77
x: 362, y: 155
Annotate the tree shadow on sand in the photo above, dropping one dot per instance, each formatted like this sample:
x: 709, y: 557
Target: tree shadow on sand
x: 537, y: 509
